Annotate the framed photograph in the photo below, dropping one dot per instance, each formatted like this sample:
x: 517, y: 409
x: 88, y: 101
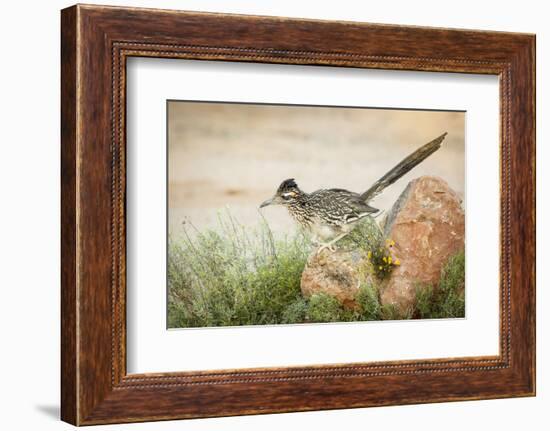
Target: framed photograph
x: 264, y: 214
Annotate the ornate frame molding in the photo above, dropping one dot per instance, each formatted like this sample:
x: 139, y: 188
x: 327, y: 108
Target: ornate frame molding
x: 96, y: 41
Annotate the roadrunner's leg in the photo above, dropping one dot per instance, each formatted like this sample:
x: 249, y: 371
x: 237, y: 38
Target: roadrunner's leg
x: 330, y: 245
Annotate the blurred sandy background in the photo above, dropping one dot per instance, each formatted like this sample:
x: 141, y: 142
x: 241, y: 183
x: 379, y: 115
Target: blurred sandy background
x: 236, y: 155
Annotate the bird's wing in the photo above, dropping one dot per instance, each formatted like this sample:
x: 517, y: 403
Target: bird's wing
x: 348, y: 205
x: 402, y: 168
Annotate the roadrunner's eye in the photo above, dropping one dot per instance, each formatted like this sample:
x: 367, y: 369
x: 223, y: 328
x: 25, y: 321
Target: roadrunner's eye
x: 287, y: 196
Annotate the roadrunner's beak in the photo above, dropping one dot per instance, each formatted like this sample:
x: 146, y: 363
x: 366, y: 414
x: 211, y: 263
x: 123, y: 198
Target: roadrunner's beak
x: 267, y: 202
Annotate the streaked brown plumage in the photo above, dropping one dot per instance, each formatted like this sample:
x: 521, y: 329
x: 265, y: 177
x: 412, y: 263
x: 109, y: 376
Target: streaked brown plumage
x: 330, y: 214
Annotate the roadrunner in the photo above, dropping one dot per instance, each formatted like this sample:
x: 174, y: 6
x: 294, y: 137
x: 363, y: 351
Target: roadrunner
x: 331, y: 214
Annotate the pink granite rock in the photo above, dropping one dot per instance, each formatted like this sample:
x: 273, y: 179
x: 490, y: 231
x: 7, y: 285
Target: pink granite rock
x: 427, y: 225
x: 338, y: 274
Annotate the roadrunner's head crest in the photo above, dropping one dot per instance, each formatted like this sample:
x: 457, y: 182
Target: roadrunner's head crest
x: 287, y: 192
x: 287, y: 186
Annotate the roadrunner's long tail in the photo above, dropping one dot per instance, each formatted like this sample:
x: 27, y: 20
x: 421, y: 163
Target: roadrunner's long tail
x: 403, y: 167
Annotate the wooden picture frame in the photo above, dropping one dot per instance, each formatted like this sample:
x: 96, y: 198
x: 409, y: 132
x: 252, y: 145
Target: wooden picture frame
x: 96, y: 41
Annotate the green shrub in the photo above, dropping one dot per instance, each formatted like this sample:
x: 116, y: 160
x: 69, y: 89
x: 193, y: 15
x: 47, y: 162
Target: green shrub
x: 365, y: 236
x: 368, y: 302
x: 324, y: 308
x: 296, y: 311
x: 447, y: 300
x: 235, y: 276
x: 391, y: 312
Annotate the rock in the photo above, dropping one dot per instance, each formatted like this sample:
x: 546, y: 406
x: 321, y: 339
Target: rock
x: 427, y: 225
x: 338, y: 274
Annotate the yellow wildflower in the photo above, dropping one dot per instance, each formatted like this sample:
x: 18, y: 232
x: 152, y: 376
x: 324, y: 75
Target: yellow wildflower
x: 389, y: 260
x: 397, y: 262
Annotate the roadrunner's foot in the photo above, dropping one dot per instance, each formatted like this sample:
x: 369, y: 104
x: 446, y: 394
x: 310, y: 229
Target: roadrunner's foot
x: 327, y: 246
x: 330, y: 245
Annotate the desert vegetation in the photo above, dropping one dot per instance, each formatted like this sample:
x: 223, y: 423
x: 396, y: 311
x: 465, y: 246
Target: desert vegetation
x: 235, y: 275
